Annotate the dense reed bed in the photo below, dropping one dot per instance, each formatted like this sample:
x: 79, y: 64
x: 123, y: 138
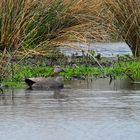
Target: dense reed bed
x: 32, y: 27
x: 28, y: 23
x: 124, y: 16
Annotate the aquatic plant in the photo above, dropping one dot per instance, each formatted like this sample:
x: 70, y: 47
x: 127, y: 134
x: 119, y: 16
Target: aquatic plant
x: 124, y: 16
x: 117, y: 70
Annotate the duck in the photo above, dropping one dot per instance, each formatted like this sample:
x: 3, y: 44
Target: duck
x: 55, y: 81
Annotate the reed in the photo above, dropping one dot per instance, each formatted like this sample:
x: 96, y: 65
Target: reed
x: 28, y: 24
x: 30, y: 27
x: 125, y: 17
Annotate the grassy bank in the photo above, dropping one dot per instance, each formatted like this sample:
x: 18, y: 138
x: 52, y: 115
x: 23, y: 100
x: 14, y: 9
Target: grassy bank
x: 118, y: 69
x: 33, y: 28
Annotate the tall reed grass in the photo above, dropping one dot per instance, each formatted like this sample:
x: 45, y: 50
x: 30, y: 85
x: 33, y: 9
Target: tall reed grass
x: 28, y: 23
x: 125, y: 17
x: 31, y: 26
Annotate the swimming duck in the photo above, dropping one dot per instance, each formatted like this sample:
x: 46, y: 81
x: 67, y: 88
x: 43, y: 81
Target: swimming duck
x: 54, y: 81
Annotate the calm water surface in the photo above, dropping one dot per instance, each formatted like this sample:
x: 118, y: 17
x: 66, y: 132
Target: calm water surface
x: 83, y: 110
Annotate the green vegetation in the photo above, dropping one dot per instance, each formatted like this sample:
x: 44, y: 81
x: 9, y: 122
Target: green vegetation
x: 30, y: 28
x: 118, y: 69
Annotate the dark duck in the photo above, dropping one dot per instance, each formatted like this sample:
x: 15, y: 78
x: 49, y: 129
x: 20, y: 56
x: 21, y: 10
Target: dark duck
x: 52, y: 82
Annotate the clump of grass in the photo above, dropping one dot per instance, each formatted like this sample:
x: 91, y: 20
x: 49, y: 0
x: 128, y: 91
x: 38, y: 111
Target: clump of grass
x: 124, y: 15
x: 30, y: 27
x: 117, y: 70
x: 30, y: 24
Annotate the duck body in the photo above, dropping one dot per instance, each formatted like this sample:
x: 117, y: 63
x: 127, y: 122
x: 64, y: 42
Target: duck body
x: 45, y: 83
x: 53, y: 82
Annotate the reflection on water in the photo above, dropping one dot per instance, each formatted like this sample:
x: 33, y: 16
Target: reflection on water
x: 83, y: 110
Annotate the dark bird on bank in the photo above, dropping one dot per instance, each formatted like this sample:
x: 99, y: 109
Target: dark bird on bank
x: 2, y: 88
x: 52, y: 82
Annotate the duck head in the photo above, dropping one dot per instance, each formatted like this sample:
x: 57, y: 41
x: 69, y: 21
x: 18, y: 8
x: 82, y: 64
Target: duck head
x: 57, y: 70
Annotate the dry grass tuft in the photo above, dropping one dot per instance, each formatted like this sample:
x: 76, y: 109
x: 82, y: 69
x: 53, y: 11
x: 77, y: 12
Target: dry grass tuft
x: 125, y: 17
x: 31, y: 26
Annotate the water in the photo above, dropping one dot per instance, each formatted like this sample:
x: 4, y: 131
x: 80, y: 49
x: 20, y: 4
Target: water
x: 83, y: 110
x: 105, y: 49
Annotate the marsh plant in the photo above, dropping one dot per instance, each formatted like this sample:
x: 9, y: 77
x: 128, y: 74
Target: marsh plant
x: 124, y: 16
x: 116, y: 70
x: 29, y: 27
x: 31, y: 23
